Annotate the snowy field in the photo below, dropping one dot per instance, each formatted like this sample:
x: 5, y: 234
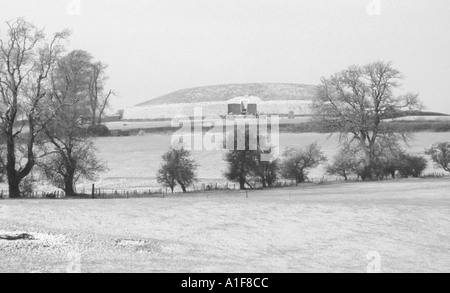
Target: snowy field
x: 134, y: 161
x: 312, y: 228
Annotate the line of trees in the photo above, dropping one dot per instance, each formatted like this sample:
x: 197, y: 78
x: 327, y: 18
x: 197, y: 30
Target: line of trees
x: 246, y: 168
x: 45, y: 97
x: 352, y: 103
x: 390, y: 162
x: 245, y: 165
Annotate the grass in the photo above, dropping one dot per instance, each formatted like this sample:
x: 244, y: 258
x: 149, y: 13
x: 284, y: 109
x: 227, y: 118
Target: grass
x: 312, y: 228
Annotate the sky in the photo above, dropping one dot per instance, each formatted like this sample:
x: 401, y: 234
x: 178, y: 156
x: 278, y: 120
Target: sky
x: 154, y: 47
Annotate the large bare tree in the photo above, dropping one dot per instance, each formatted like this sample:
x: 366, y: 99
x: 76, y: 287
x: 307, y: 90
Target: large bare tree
x: 87, y: 78
x: 70, y: 152
x: 26, y: 61
x: 98, y: 97
x: 356, y: 101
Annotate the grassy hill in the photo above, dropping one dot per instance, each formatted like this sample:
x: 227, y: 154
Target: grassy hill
x: 265, y: 91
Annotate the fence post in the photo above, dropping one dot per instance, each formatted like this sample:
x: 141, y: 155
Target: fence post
x: 93, y: 191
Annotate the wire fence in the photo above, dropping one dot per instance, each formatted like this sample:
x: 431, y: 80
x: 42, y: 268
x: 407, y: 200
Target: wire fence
x: 108, y: 193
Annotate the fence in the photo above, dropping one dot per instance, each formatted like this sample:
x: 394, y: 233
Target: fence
x: 105, y: 193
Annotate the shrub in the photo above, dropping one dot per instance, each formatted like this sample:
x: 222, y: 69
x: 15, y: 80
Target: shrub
x: 245, y: 166
x: 75, y: 160
x: 399, y: 162
x: 440, y: 155
x: 344, y: 164
x: 27, y: 185
x: 98, y: 130
x: 390, y: 160
x: 241, y: 166
x: 266, y: 172
x: 412, y: 166
x: 177, y: 168
x: 298, y: 162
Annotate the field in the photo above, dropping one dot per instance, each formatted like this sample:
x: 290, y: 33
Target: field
x: 135, y: 165
x: 313, y: 228
x: 329, y: 227
x: 133, y: 161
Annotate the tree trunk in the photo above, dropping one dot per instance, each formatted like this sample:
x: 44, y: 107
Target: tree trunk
x: 13, y: 180
x: 69, y: 184
x: 183, y: 187
x: 13, y: 184
x: 242, y: 184
x: 94, y: 119
x: 367, y: 173
x: 263, y: 181
x: 368, y: 151
x: 393, y: 174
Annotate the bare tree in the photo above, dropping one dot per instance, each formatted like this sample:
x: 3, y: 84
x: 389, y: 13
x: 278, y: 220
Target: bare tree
x: 241, y: 167
x: 26, y: 61
x: 166, y: 176
x: 2, y: 160
x: 178, y: 168
x: 88, y: 77
x: 71, y: 153
x: 242, y: 160
x: 245, y: 164
x: 98, y: 98
x: 298, y: 162
x: 70, y: 163
x: 344, y: 164
x: 266, y: 172
x: 440, y: 155
x: 354, y: 103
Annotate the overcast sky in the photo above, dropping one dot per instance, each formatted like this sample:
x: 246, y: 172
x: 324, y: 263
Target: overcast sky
x: 156, y: 47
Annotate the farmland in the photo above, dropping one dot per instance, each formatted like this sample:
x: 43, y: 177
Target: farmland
x: 312, y: 228
x: 328, y: 227
x: 134, y: 166
x: 139, y: 158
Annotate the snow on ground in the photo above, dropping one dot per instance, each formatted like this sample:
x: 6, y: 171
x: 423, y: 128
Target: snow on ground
x: 133, y: 161
x: 312, y: 228
x: 136, y: 164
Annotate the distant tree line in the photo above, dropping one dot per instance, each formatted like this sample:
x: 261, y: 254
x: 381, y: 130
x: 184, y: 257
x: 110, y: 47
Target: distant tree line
x: 246, y: 168
x: 354, y: 104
